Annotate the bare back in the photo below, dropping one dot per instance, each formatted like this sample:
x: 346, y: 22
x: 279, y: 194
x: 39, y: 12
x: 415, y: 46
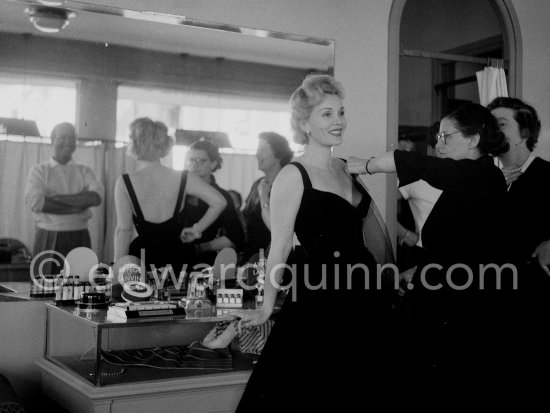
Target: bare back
x: 156, y: 189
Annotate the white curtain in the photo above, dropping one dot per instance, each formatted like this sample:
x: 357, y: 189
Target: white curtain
x: 238, y: 172
x: 116, y: 163
x: 491, y: 82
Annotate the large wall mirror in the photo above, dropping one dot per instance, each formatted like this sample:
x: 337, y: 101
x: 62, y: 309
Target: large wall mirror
x: 109, y: 66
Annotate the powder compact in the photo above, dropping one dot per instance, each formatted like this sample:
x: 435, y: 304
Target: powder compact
x: 93, y: 301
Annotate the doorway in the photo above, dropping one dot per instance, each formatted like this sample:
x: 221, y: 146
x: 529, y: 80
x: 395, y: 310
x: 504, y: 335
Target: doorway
x: 435, y: 48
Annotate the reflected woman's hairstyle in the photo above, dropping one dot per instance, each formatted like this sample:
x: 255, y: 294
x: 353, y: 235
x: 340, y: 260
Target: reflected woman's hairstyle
x: 212, y: 151
x: 279, y: 145
x: 306, y: 97
x: 150, y: 139
x: 525, y: 115
x: 472, y: 119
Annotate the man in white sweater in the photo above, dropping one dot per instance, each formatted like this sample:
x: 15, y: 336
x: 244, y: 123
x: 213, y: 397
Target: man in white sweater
x: 60, y: 193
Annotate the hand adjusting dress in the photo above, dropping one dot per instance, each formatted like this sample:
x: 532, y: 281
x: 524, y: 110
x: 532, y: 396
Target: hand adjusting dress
x: 160, y: 241
x: 330, y: 345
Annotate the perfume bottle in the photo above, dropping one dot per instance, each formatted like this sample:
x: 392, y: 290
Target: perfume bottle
x: 259, y: 296
x: 261, y: 270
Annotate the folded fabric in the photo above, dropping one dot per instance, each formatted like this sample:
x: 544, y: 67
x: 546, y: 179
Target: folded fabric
x: 252, y: 340
x: 193, y: 357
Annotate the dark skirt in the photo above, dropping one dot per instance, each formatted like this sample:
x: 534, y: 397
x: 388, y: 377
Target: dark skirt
x: 61, y: 242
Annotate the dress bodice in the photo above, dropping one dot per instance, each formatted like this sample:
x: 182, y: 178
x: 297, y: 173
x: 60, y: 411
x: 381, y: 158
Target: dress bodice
x: 329, y: 229
x: 327, y: 225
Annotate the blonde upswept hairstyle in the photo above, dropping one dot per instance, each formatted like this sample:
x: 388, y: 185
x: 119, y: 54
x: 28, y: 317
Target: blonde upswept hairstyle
x: 150, y: 139
x: 306, y: 97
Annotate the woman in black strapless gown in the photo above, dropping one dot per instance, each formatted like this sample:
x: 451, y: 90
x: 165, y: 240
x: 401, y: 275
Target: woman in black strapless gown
x: 332, y: 342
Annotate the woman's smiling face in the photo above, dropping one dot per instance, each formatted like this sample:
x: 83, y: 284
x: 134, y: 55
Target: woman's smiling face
x: 327, y: 122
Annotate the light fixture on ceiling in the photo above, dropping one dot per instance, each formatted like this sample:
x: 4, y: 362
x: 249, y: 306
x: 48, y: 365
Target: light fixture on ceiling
x: 48, y: 19
x: 52, y: 2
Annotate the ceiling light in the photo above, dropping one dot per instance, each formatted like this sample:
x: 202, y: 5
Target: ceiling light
x: 49, y: 20
x: 52, y: 2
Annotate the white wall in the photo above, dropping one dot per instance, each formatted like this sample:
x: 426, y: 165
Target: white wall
x: 534, y: 18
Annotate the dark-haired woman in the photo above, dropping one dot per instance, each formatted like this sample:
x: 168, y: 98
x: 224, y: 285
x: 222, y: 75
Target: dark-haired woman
x: 526, y: 175
x: 455, y: 347
x: 203, y: 159
x: 273, y: 154
x: 527, y: 227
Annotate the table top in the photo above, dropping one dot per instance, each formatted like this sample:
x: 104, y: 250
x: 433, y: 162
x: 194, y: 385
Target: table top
x: 15, y: 289
x: 102, y: 319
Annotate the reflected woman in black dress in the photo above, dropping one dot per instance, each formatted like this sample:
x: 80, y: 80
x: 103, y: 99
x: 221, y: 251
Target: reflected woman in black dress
x: 273, y: 154
x: 151, y: 201
x: 332, y: 340
x: 203, y: 159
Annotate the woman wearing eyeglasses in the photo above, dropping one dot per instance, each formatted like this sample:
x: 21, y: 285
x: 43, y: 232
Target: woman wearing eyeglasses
x: 273, y: 154
x: 150, y: 200
x: 456, y: 327
x: 203, y: 159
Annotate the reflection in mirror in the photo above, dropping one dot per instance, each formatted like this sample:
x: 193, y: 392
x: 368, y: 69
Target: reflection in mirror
x: 109, y: 66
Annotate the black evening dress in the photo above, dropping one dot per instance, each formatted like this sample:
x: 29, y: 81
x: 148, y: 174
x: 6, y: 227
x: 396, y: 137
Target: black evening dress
x: 528, y: 225
x: 160, y: 242
x: 331, y: 345
x: 227, y: 224
x: 459, y: 346
x: 258, y: 235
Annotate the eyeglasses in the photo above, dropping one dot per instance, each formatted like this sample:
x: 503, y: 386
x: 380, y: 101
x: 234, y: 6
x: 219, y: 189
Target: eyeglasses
x: 442, y: 136
x: 198, y: 161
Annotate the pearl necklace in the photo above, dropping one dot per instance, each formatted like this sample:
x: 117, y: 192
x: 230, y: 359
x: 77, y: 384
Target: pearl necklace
x: 519, y: 168
x: 512, y: 171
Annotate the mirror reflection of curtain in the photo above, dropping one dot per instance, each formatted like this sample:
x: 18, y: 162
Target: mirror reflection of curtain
x: 116, y: 163
x: 239, y: 171
x: 491, y: 82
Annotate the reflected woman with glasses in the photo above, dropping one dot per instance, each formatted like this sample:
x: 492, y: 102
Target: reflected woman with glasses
x: 203, y: 159
x: 455, y: 320
x: 150, y: 201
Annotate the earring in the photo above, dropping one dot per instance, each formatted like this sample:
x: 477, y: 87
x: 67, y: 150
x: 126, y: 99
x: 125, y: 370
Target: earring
x: 308, y: 134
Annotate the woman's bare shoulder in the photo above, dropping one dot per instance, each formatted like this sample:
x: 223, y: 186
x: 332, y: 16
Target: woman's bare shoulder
x: 289, y: 175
